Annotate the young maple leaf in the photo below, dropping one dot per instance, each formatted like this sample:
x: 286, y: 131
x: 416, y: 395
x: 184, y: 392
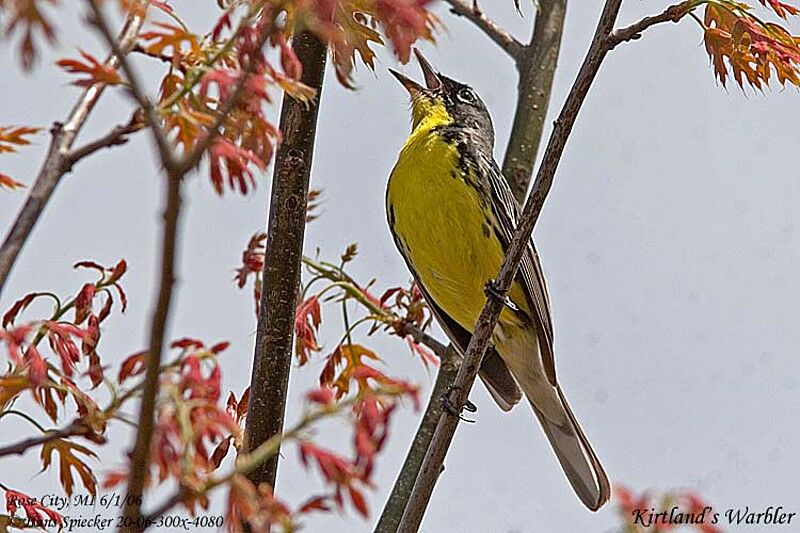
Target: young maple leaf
x: 307, y: 319
x: 405, y: 21
x: 69, y: 461
x: 228, y: 158
x: 185, y: 46
x: 752, y: 49
x: 27, y: 16
x: 95, y: 71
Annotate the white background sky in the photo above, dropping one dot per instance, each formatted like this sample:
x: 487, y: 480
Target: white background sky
x: 670, y: 242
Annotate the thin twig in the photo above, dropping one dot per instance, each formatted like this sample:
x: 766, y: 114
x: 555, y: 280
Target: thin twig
x: 20, y: 447
x: 55, y: 164
x: 633, y: 32
x: 500, y: 36
x: 117, y: 136
x: 487, y: 320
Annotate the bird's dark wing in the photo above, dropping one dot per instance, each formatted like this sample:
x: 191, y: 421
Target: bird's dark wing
x: 506, y: 211
x: 493, y: 372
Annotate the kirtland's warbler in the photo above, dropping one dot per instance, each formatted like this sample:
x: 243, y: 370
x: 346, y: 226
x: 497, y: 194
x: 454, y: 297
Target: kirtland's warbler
x: 452, y: 216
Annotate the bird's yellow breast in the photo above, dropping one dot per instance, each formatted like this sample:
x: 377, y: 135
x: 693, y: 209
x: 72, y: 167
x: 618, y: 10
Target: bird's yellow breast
x: 440, y: 226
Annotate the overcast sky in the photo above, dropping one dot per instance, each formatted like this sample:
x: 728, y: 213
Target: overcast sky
x: 670, y: 243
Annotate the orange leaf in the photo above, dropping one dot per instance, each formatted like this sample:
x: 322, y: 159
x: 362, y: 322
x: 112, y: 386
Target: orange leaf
x: 95, y: 71
x: 8, y: 182
x: 69, y: 461
x: 11, y: 136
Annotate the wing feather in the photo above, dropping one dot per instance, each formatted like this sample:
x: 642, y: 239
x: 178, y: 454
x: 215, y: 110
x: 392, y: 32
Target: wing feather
x: 506, y: 210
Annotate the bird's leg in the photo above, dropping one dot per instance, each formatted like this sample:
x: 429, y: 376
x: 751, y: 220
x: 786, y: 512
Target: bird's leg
x: 491, y: 289
x: 450, y: 408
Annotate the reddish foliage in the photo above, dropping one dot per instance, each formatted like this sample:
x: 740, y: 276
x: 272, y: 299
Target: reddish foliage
x: 8, y: 182
x: 344, y: 475
x: 781, y: 8
x: 307, y: 319
x: 27, y: 16
x: 752, y: 49
x: 133, y: 365
x: 226, y: 158
x: 37, y: 514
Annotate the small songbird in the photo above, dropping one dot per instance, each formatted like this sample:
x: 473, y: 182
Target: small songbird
x: 452, y: 215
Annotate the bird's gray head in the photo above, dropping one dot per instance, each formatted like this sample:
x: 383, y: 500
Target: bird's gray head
x: 449, y: 103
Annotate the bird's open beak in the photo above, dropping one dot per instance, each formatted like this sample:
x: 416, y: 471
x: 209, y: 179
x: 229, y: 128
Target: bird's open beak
x: 432, y: 80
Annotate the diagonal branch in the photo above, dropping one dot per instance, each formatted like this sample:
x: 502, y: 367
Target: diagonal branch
x: 56, y: 163
x: 487, y: 320
x: 500, y: 36
x: 18, y: 448
x: 165, y: 149
x: 117, y: 136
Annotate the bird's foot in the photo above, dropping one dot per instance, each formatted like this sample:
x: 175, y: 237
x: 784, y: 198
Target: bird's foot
x: 450, y: 408
x: 491, y: 289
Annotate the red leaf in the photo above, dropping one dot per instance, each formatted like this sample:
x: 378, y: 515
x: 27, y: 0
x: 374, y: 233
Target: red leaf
x: 37, y: 514
x: 133, y: 365
x: 83, y: 303
x: 37, y: 369
x: 226, y: 158
x: 322, y: 396
x: 18, y: 307
x: 118, y: 271
x: 359, y: 502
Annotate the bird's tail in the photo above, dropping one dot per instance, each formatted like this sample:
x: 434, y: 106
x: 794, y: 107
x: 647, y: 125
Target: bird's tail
x: 574, y: 452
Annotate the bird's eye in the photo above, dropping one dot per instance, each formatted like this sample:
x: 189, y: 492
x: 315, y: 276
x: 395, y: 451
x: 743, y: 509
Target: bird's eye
x: 466, y: 95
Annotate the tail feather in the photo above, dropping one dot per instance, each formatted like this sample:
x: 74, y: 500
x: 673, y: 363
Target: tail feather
x: 577, y: 458
x: 498, y: 381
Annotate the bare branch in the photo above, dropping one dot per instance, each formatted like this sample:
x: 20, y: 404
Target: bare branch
x: 401, y: 492
x: 673, y: 13
x: 487, y: 320
x: 55, y: 164
x: 73, y: 430
x: 151, y: 115
x: 117, y: 136
x: 500, y: 36
x: 140, y: 456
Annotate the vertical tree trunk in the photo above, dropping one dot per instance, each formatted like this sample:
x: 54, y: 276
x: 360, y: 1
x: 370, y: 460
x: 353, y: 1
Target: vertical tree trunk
x: 287, y: 212
x: 537, y: 68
